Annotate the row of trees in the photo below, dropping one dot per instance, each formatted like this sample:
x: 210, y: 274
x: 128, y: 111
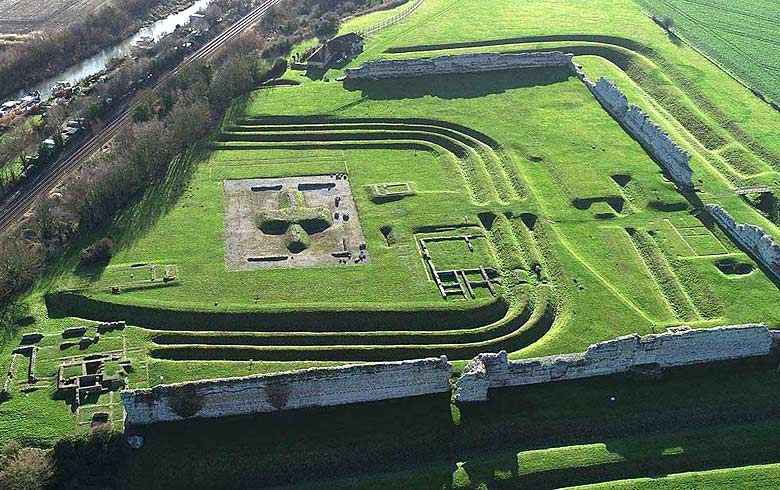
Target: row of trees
x: 138, y: 157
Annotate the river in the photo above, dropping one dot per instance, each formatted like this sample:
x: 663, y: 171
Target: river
x: 100, y: 61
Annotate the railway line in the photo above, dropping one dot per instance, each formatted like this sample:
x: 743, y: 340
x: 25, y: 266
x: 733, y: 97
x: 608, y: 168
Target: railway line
x: 14, y: 206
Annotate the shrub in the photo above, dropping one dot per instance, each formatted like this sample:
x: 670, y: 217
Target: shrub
x: 99, y: 252
x: 89, y: 460
x: 26, y: 469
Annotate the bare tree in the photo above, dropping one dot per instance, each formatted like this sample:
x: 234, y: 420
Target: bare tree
x: 56, y: 116
x: 18, y: 141
x: 27, y: 469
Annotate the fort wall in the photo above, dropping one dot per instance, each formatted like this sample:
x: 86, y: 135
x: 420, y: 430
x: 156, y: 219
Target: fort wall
x: 678, y: 347
x: 653, y: 139
x: 754, y: 239
x: 315, y: 387
x: 458, y: 63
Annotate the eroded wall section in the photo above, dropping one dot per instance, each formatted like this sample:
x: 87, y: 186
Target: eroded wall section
x: 678, y: 347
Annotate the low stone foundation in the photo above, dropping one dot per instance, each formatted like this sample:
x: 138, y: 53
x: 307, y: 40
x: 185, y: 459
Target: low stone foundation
x: 653, y: 139
x: 458, y: 63
x: 678, y: 347
x: 753, y: 238
x: 316, y: 387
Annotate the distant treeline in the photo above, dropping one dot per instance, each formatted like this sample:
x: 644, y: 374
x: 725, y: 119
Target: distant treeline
x: 47, y: 53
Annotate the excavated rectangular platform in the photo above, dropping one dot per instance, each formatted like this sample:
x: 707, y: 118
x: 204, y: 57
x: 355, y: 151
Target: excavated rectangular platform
x: 292, y: 222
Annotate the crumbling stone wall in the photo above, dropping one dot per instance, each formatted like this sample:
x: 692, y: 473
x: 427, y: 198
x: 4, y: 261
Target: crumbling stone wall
x: 653, y: 139
x: 458, y: 63
x: 678, y: 347
x: 284, y: 391
x: 754, y: 239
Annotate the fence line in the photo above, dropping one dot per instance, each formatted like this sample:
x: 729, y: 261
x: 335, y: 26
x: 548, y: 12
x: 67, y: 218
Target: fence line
x: 394, y: 19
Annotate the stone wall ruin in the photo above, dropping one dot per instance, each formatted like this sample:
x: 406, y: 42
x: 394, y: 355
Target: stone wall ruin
x: 458, y: 63
x: 653, y: 139
x: 358, y: 383
x: 315, y: 387
x: 754, y: 239
x: 678, y: 347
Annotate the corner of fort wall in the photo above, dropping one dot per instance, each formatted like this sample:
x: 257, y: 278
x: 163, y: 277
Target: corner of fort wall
x: 678, y: 347
x: 753, y: 238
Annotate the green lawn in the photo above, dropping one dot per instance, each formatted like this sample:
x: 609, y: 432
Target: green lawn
x: 590, y: 241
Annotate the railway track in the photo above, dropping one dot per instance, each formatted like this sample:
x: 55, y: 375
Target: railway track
x: 13, y: 207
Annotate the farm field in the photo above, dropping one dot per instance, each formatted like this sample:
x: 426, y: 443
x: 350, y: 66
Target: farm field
x: 742, y: 35
x: 441, y: 215
x: 22, y: 17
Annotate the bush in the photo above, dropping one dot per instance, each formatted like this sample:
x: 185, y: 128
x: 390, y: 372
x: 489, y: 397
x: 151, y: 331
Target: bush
x: 26, y: 469
x: 99, y: 252
x: 89, y: 460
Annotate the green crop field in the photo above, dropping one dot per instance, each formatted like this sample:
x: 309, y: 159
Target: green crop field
x: 740, y: 34
x: 516, y: 179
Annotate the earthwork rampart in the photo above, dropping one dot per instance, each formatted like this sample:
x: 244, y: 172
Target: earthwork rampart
x: 754, y: 239
x: 459, y: 63
x: 678, y: 347
x: 653, y: 139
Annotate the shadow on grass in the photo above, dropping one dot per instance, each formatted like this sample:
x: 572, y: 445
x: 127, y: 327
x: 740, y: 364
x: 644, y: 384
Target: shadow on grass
x: 158, y: 200
x: 685, y: 421
x: 462, y: 86
x: 13, y: 316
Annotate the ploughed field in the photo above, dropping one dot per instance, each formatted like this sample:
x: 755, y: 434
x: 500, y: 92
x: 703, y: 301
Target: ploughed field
x: 332, y: 222
x: 25, y: 16
x: 740, y: 34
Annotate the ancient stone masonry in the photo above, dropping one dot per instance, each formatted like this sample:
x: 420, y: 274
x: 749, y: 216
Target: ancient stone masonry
x: 653, y: 139
x: 298, y: 389
x: 459, y: 63
x: 678, y: 347
x: 753, y: 238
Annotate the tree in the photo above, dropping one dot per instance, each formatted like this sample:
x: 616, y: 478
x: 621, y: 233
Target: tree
x: 667, y: 23
x: 188, y: 121
x: 26, y: 469
x: 56, y: 116
x: 327, y: 26
x: 99, y: 252
x: 54, y: 224
x: 19, y: 264
x: 18, y: 141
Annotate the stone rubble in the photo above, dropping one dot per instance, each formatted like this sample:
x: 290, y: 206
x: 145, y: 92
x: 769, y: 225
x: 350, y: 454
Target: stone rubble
x: 458, y: 63
x: 315, y: 387
x: 653, y: 139
x: 758, y: 243
x: 677, y: 347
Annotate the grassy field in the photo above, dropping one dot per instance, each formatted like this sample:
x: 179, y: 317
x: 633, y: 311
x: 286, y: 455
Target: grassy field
x: 740, y: 34
x: 531, y: 166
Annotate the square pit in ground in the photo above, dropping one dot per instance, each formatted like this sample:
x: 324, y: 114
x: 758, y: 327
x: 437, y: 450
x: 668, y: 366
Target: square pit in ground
x: 291, y: 222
